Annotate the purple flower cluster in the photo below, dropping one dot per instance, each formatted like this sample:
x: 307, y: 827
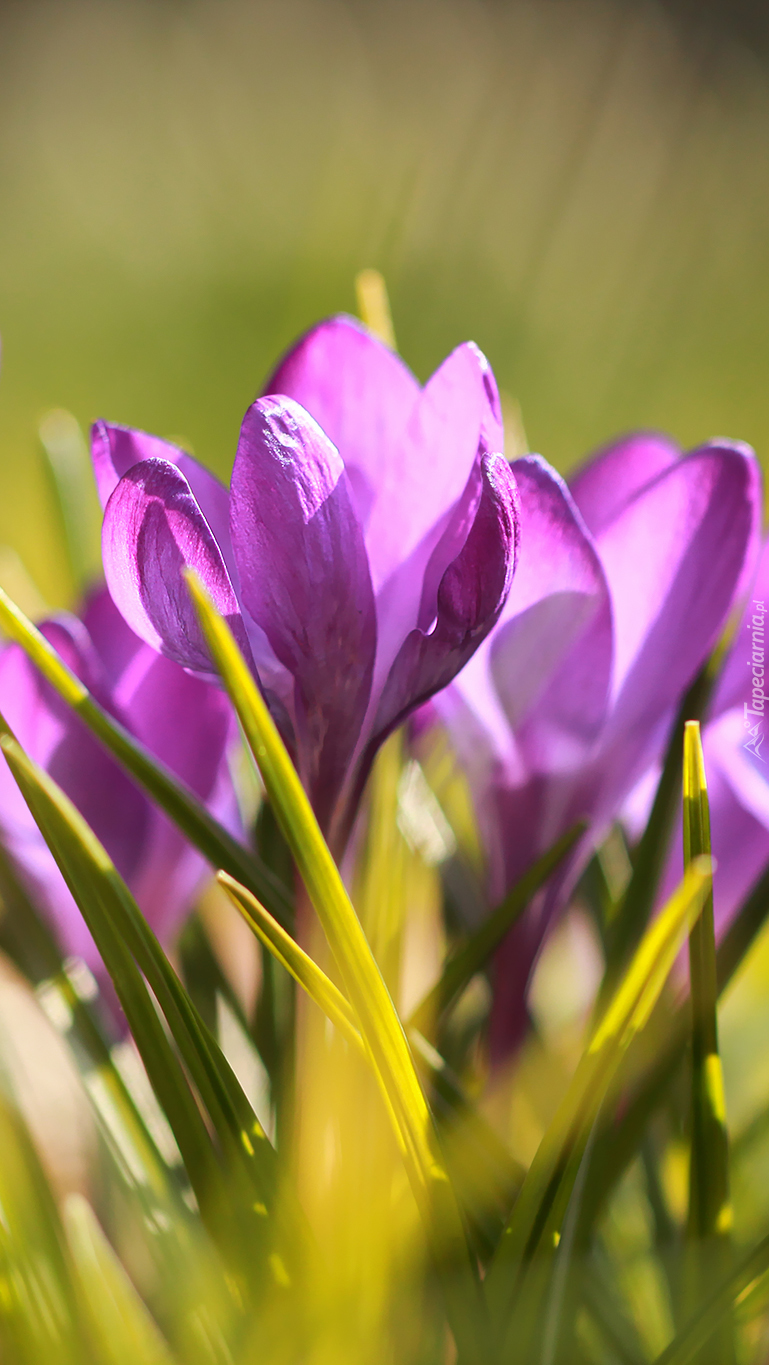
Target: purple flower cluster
x: 375, y: 554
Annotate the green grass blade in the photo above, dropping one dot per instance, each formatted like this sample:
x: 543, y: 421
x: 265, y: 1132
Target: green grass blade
x: 651, y: 854
x: 120, y: 1325
x: 93, y: 883
x: 710, y: 1210
x: 616, y: 1149
x: 191, y: 816
x: 295, y: 960
x: 377, y: 1017
x: 68, y: 463
x: 29, y: 942
x: 701, y: 1329
x: 122, y: 935
x: 540, y: 1207
x: 462, y: 965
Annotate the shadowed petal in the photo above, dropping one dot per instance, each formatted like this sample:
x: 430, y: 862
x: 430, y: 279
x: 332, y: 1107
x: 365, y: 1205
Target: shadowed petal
x: 305, y: 579
x: 550, y: 657
x: 472, y: 593
x: 153, y: 528
x: 607, y: 481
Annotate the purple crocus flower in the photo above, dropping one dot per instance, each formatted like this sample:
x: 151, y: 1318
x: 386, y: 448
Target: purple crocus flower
x: 623, y: 584
x: 735, y: 741
x: 364, y: 550
x: 182, y: 721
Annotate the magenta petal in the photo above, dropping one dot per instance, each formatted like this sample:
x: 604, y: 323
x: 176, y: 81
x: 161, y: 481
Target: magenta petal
x: 153, y: 528
x: 674, y: 557
x: 305, y: 579
x: 116, y: 449
x: 358, y: 391
x: 607, y: 481
x: 551, y: 655
x: 471, y: 596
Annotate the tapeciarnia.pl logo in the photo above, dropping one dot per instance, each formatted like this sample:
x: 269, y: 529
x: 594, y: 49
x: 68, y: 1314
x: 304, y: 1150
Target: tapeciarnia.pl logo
x: 753, y: 711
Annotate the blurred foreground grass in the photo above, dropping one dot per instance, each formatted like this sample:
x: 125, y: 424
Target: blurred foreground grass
x: 580, y: 187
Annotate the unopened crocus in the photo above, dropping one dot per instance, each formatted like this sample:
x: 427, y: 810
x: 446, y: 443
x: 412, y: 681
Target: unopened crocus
x: 364, y: 550
x: 624, y: 582
x: 183, y: 722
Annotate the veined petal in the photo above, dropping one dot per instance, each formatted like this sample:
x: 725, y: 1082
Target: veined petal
x: 117, y: 449
x: 751, y: 637
x: 153, y: 528
x: 305, y: 580
x: 359, y: 392
x: 607, y: 481
x: 471, y: 596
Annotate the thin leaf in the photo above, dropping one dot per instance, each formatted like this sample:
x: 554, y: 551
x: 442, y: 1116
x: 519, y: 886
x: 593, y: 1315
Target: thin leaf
x: 120, y: 931
x: 93, y: 882
x: 191, y: 816
x: 296, y: 961
x: 710, y: 1209
x: 705, y: 1324
x: 651, y: 854
x: 119, y: 1323
x: 471, y: 955
x: 32, y: 947
x: 374, y: 306
x: 541, y: 1205
x: 71, y: 474
x: 377, y: 1017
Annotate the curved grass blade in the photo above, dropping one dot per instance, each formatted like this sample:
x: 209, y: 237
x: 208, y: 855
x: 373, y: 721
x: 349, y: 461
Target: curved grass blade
x: 374, y: 305
x: 296, y: 961
x: 462, y: 965
x: 540, y: 1207
x: 710, y: 1210
x: 28, y: 940
x: 122, y: 934
x: 91, y: 879
x: 377, y: 1017
x: 68, y: 464
x: 703, y: 1326
x: 191, y: 816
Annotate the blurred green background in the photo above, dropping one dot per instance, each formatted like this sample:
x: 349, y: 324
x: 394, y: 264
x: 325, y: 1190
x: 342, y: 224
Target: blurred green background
x: 582, y: 188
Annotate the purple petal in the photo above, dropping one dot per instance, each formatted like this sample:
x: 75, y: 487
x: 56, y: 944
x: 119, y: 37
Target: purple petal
x: 153, y: 528
x: 551, y: 654
x: 305, y: 580
x: 472, y: 593
x: 188, y: 725
x: 55, y: 738
x: 358, y: 391
x: 735, y: 684
x: 607, y: 481
x: 674, y: 558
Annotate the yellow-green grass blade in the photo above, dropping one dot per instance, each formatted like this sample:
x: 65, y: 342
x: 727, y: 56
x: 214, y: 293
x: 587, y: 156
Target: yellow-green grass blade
x: 374, y: 305
x: 540, y: 1207
x: 30, y: 943
x: 39, y: 1310
x: 462, y: 965
x: 119, y: 1323
x: 122, y: 935
x: 380, y: 1026
x: 91, y: 879
x: 191, y: 816
x: 703, y: 1327
x: 651, y: 853
x: 68, y: 463
x: 710, y: 1211
x: 296, y: 961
